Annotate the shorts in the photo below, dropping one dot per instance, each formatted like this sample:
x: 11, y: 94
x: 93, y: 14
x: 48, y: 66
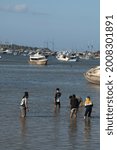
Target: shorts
x: 74, y: 111
x: 22, y: 111
x: 57, y: 103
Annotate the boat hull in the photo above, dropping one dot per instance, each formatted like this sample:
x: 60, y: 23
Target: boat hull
x: 38, y: 62
x: 93, y: 75
x: 67, y: 59
x: 38, y: 59
x: 62, y: 59
x: 92, y: 79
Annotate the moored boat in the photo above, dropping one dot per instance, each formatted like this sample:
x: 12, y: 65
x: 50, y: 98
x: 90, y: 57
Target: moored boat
x: 67, y: 57
x: 93, y: 75
x: 38, y: 59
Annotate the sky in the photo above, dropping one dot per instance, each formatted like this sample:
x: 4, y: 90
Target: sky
x: 56, y: 24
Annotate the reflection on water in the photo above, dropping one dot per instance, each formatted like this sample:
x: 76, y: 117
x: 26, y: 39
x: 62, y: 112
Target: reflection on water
x: 73, y: 126
x: 87, y: 129
x: 73, y: 138
x: 23, y: 126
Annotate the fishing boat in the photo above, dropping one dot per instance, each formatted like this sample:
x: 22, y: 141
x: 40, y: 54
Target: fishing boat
x: 93, y: 75
x: 38, y: 58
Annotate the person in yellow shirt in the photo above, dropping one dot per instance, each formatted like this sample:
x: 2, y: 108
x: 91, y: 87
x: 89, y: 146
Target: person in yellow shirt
x: 88, y: 107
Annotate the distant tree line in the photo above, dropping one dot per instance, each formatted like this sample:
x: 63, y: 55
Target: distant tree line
x: 16, y: 47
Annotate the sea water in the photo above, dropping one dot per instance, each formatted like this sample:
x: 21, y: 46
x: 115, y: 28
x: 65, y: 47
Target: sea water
x: 45, y: 128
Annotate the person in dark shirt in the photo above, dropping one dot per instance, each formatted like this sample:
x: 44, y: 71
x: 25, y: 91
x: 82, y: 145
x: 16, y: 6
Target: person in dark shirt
x: 74, y: 103
x: 57, y: 98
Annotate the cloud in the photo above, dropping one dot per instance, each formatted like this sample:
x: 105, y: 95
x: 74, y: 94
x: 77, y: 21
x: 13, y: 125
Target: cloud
x: 19, y: 8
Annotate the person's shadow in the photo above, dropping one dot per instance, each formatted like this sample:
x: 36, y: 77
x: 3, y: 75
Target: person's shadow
x: 87, y: 128
x: 23, y: 126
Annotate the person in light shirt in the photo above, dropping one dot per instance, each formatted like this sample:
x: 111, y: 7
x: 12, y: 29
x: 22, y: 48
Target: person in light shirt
x: 24, y: 105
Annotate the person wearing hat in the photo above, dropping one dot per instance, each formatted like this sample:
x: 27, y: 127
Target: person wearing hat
x: 24, y: 105
x: 57, y: 98
x: 88, y: 107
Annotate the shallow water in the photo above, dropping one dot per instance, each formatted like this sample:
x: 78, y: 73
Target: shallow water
x: 44, y: 128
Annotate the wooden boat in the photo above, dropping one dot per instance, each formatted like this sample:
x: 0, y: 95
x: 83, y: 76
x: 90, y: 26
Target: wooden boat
x: 38, y: 59
x: 93, y: 75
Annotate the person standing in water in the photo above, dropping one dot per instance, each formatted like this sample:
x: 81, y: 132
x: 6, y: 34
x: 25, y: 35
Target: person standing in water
x: 24, y: 105
x: 74, y: 103
x: 88, y: 107
x: 57, y: 98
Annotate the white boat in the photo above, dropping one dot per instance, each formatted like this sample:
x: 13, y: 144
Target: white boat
x: 93, y: 75
x: 8, y: 51
x: 67, y: 57
x: 73, y: 58
x: 38, y: 59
